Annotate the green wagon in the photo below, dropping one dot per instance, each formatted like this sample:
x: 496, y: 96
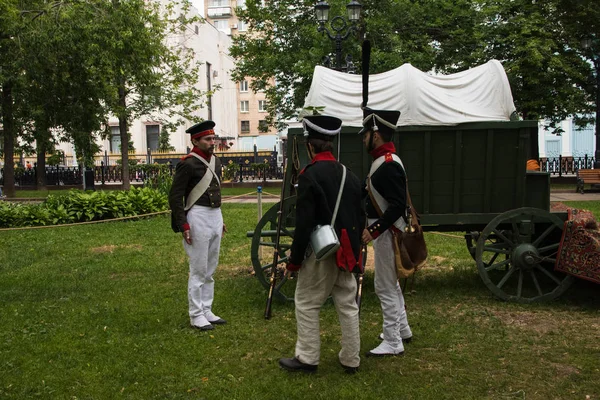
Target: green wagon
x: 467, y: 178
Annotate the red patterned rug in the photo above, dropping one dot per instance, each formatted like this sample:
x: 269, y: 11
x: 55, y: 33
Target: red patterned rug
x: 579, y: 250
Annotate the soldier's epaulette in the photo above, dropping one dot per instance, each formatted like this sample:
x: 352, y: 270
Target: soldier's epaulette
x: 186, y: 156
x: 388, y: 157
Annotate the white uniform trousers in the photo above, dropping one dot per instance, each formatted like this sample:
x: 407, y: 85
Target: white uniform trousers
x: 316, y: 281
x: 388, y: 289
x: 206, y: 230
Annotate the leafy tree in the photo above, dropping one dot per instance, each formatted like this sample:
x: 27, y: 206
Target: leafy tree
x: 66, y: 66
x: 533, y: 39
x: 283, y: 44
x: 544, y: 66
x: 146, y: 74
x: 13, y: 23
x: 581, y: 20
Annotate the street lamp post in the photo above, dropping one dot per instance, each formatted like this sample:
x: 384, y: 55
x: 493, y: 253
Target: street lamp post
x: 594, y: 48
x: 341, y: 27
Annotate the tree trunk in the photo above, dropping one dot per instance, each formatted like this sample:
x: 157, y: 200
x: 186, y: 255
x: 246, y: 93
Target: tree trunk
x: 41, y: 144
x: 124, y: 137
x: 9, y: 140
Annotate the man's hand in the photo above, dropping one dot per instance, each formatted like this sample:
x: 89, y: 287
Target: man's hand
x: 187, y: 237
x: 366, y: 237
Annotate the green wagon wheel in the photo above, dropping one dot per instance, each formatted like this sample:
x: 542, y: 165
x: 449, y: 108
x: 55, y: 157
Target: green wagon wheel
x: 471, y: 239
x: 263, y: 247
x: 518, y: 263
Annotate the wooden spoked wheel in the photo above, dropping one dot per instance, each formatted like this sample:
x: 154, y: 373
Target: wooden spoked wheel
x: 516, y: 253
x: 263, y: 247
x: 471, y: 239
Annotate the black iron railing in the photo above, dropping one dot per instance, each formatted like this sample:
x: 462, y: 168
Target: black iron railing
x: 103, y: 174
x: 55, y: 176
x: 565, y: 165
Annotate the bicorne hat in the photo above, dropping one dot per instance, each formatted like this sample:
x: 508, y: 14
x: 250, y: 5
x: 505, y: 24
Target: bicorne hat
x: 204, y: 128
x: 379, y: 120
x: 322, y: 127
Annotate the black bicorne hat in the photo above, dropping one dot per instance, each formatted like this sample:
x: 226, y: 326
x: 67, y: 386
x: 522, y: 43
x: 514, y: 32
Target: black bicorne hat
x: 204, y: 128
x: 322, y: 127
x: 379, y: 120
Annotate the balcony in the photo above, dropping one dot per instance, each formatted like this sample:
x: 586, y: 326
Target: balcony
x: 217, y: 12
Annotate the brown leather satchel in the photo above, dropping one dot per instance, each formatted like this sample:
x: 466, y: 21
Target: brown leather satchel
x: 410, y: 249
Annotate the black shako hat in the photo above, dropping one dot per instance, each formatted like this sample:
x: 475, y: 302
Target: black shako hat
x: 379, y: 120
x: 322, y: 127
x: 204, y: 128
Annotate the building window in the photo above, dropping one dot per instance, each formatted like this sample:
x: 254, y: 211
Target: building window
x: 244, y: 106
x: 152, y: 135
x: 242, y: 26
x: 196, y: 30
x: 262, y: 105
x: 221, y: 24
x: 218, y: 3
x: 243, y: 86
x: 115, y: 139
x: 263, y: 126
x: 245, y: 126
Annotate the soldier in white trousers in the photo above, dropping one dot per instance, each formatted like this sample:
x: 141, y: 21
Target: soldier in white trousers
x: 195, y: 201
x: 206, y: 227
x: 386, y: 210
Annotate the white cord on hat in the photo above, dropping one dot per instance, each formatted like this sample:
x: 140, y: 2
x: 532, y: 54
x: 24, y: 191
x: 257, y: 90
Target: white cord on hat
x: 376, y: 118
x: 306, y: 123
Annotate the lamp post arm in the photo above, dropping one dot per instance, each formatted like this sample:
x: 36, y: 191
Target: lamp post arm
x: 338, y: 38
x: 323, y: 28
x: 351, y: 29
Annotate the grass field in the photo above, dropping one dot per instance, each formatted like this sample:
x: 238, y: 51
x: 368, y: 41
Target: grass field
x: 100, y: 312
x: 237, y: 191
x: 226, y: 191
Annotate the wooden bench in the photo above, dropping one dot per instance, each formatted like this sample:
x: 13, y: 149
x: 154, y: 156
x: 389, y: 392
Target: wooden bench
x: 591, y: 176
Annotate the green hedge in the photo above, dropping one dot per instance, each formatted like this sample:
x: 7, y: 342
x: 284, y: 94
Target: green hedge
x: 79, y: 206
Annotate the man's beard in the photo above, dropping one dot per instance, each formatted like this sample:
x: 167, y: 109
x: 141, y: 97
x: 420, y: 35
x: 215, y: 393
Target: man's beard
x: 210, y: 149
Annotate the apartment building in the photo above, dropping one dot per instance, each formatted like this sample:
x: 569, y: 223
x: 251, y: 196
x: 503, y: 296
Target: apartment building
x: 252, y: 129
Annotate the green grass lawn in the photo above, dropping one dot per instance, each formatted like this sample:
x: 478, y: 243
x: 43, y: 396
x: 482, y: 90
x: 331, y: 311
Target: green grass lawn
x: 237, y: 191
x: 100, y: 312
x: 226, y: 191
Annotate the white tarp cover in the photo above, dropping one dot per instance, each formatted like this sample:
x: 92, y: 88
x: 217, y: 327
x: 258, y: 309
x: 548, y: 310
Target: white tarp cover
x: 478, y: 94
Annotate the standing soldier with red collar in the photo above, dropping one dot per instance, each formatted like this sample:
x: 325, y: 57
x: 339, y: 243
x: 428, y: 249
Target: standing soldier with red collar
x: 387, y: 184
x: 318, y: 188
x: 195, y: 201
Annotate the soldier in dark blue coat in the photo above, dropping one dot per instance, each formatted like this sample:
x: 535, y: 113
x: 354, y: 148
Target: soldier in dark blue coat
x: 318, y: 188
x: 386, y: 208
x: 195, y: 201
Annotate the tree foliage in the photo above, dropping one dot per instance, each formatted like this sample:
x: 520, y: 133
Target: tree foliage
x: 67, y: 66
x: 541, y: 58
x: 537, y: 42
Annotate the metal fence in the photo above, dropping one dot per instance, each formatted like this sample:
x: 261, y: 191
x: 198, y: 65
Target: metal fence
x: 246, y: 170
x: 55, y: 176
x: 565, y: 165
x: 108, y: 174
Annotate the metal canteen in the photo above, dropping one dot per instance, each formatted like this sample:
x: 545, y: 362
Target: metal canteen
x: 324, y: 241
